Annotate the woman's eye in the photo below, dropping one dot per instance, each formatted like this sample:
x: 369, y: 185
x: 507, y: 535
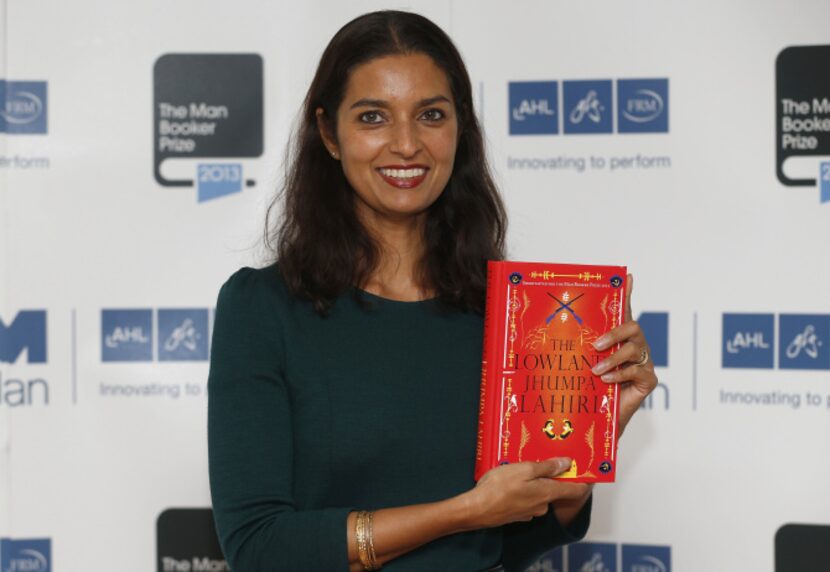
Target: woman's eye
x: 371, y: 117
x: 433, y: 115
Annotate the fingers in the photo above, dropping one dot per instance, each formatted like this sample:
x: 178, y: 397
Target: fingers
x: 629, y: 352
x: 630, y: 282
x: 643, y: 378
x: 550, y: 467
x: 629, y: 331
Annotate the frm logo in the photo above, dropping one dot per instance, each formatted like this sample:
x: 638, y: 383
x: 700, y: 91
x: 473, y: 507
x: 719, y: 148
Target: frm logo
x: 24, y: 107
x: 29, y: 555
x: 25, y: 334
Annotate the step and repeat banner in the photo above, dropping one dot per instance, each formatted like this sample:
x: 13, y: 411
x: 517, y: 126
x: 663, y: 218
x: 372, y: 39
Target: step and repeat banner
x: 140, y: 144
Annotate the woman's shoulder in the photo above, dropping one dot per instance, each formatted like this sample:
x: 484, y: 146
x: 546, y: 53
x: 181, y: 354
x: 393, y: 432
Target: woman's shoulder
x: 253, y: 287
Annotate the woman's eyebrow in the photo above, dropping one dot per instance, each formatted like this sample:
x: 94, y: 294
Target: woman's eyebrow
x: 367, y: 102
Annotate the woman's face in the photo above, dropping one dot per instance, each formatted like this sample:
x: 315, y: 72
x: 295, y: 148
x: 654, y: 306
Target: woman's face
x: 397, y: 133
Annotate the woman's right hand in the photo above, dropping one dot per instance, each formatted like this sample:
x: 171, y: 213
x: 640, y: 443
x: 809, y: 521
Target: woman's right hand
x: 519, y: 492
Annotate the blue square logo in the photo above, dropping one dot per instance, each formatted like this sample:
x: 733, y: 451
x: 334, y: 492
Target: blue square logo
x: 26, y: 332
x: 588, y: 106
x: 183, y: 335
x: 593, y: 556
x: 642, y: 558
x: 804, y: 340
x: 551, y: 561
x: 824, y: 181
x: 534, y: 107
x: 126, y: 335
x: 31, y: 555
x: 655, y: 326
x: 643, y: 106
x: 216, y: 180
x: 24, y: 108
x: 748, y: 340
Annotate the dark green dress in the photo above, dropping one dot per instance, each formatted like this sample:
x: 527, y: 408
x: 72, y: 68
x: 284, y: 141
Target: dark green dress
x: 311, y: 417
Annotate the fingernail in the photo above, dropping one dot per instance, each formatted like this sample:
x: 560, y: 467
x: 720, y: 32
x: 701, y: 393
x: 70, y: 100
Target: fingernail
x: 600, y: 368
x: 564, y: 465
x: 601, y: 343
x: 608, y: 377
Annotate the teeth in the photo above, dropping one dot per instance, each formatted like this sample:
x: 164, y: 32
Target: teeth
x: 403, y: 173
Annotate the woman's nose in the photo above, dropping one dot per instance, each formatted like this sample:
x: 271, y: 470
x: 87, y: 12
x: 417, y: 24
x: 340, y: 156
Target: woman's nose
x: 405, y: 140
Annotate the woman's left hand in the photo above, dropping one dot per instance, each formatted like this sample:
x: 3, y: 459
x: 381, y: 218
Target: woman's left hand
x: 635, y: 372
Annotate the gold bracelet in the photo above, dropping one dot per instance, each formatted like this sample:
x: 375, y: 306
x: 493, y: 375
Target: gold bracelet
x: 360, y: 537
x: 373, y: 560
x: 365, y: 540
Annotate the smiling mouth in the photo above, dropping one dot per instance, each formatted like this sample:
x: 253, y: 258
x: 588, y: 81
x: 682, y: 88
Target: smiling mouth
x: 403, y: 178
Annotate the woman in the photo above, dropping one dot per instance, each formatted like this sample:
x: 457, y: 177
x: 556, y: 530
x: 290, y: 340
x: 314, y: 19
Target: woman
x: 344, y: 378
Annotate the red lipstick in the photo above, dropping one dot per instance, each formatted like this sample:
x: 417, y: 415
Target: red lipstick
x: 403, y: 176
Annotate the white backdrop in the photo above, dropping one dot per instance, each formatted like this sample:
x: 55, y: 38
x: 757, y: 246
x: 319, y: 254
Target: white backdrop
x: 93, y: 451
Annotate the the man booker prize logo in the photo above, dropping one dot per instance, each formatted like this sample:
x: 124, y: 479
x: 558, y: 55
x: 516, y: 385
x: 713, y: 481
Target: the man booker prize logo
x: 207, y: 106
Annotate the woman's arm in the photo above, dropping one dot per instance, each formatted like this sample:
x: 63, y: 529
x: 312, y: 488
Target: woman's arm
x: 510, y: 493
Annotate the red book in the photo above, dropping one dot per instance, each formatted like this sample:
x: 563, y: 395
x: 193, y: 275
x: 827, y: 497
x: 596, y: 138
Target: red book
x: 539, y: 398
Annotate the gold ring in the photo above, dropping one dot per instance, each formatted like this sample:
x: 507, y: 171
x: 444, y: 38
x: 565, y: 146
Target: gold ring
x: 643, y: 358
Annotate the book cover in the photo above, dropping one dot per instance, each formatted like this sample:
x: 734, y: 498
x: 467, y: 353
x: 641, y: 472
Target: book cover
x: 539, y: 398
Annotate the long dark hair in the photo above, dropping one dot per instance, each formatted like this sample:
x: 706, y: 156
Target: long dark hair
x: 322, y: 249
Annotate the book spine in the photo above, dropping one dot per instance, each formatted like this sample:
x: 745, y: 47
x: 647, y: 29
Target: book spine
x: 489, y: 374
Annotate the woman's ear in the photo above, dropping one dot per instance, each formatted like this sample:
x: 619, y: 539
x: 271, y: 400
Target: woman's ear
x: 324, y: 126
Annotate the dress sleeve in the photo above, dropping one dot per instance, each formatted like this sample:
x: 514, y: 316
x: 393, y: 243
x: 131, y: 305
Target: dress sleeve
x: 525, y: 542
x: 250, y: 445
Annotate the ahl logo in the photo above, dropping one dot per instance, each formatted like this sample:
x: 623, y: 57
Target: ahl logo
x: 641, y: 558
x: 127, y: 335
x: 641, y: 105
x: 207, y: 106
x: 30, y: 555
x: 24, y: 107
x: 748, y: 340
x: 533, y: 108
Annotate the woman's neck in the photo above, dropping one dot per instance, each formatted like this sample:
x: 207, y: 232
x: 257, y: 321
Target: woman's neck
x: 401, y: 248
